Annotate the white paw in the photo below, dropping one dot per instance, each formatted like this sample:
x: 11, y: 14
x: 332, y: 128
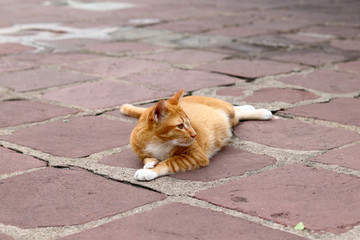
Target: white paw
x: 145, y: 175
x: 265, y: 114
x: 150, y: 165
x: 245, y: 108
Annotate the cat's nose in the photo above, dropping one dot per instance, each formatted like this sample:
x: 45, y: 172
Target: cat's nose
x: 193, y: 134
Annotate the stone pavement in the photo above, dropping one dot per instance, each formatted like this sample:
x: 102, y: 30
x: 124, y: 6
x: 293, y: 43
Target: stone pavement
x: 66, y: 168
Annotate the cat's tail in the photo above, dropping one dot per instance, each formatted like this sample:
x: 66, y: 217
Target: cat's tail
x: 132, y: 111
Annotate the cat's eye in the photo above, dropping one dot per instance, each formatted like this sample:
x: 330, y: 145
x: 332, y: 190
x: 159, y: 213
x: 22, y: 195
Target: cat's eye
x: 180, y: 126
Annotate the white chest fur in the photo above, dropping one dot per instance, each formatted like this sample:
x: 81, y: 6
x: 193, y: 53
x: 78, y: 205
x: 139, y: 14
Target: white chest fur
x: 159, y: 151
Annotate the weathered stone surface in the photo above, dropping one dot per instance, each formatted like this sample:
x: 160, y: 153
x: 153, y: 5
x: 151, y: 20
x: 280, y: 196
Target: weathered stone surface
x: 227, y: 163
x: 8, y: 65
x: 341, y: 110
x: 349, y: 45
x: 118, y: 67
x: 30, y: 112
x: 325, y: 80
x: 294, y: 134
x: 40, y: 78
x: 186, y: 57
x: 76, y: 137
x: 250, y: 69
x: 113, y: 48
x: 239, y: 32
x: 353, y: 67
x: 180, y: 225
x: 104, y: 94
x: 287, y: 95
x: 321, y: 199
x: 230, y: 91
x: 5, y: 237
x: 58, y: 197
x: 11, y: 161
x: 309, y: 58
x: 345, y: 157
x: 125, y: 158
x: 12, y: 48
x: 178, y: 79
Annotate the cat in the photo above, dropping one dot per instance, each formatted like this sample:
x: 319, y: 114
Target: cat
x: 183, y: 133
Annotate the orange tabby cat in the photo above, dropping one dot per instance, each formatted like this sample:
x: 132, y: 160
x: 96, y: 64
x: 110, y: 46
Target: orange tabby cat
x: 182, y: 134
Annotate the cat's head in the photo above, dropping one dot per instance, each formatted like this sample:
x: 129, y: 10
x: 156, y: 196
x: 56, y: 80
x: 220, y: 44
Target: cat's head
x: 170, y: 123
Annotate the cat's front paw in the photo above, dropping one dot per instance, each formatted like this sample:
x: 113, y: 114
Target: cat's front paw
x: 145, y: 175
x: 150, y: 165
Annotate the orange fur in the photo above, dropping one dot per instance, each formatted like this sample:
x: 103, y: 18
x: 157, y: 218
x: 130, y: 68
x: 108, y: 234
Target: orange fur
x: 168, y: 142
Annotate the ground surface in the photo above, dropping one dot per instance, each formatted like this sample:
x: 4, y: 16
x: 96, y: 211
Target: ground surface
x: 66, y: 165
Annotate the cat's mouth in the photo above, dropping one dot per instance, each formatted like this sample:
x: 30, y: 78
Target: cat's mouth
x: 184, y: 141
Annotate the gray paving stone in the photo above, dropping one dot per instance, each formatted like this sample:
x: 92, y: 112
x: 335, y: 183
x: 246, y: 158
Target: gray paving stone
x: 76, y: 137
x: 11, y: 161
x: 30, y: 112
x: 175, y: 221
x: 321, y: 199
x: 59, y: 197
x: 294, y: 134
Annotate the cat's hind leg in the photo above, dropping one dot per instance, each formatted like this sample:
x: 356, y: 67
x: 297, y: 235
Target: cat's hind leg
x: 248, y: 112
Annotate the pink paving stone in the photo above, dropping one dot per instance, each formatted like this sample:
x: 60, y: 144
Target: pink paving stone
x: 19, y: 112
x: 178, y: 79
x: 119, y: 67
x: 321, y: 199
x: 287, y: 95
x: 230, y: 91
x: 77, y: 137
x: 5, y: 237
x: 227, y: 163
x: 58, y: 197
x: 186, y: 56
x: 7, y: 65
x: 345, y: 157
x: 11, y: 161
x: 40, y: 78
x: 351, y: 66
x: 341, y: 110
x: 348, y: 45
x: 250, y: 68
x: 307, y: 37
x: 325, y: 80
x: 125, y: 158
x: 182, y: 221
x: 294, y: 134
x: 13, y: 48
x: 103, y: 94
x: 334, y: 31
x: 309, y: 58
x: 54, y: 58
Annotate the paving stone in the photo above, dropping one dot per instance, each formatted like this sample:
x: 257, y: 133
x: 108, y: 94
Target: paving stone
x: 103, y: 94
x: 250, y: 69
x: 20, y: 112
x: 7, y: 65
x: 5, y: 237
x: 230, y: 91
x: 309, y: 58
x: 120, y: 47
x: 39, y: 78
x: 175, y: 221
x: 13, y: 48
x: 351, y: 66
x: 239, y: 32
x: 307, y: 37
x: 341, y: 110
x: 77, y: 137
x: 344, y: 32
x: 287, y: 95
x: 186, y: 56
x: 58, y: 197
x: 178, y: 79
x: 348, y: 45
x: 125, y: 158
x: 345, y: 157
x: 119, y: 67
x: 294, y: 134
x: 321, y: 199
x: 325, y: 80
x: 227, y: 163
x: 12, y: 161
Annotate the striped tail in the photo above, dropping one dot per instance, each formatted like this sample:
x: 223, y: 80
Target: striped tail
x: 132, y: 111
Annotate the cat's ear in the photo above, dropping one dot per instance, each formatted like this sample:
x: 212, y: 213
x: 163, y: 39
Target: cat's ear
x: 158, y: 111
x: 175, y: 100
